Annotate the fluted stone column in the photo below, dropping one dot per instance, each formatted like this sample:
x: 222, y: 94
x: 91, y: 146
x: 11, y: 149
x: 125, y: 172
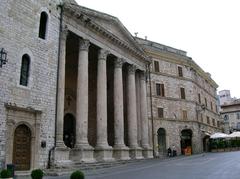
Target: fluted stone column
x: 61, y: 89
x: 103, y: 151
x: 61, y: 153
x: 135, y: 150
x: 82, y: 151
x: 147, y: 151
x: 120, y: 149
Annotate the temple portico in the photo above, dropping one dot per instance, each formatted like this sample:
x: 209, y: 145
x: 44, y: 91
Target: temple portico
x: 100, y: 90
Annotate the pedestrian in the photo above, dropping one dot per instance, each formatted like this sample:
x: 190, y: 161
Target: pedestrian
x: 169, y: 151
x: 174, y: 151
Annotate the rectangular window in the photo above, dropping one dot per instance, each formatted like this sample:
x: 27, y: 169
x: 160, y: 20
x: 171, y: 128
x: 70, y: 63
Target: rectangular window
x: 208, y: 120
x: 218, y: 124
x: 211, y: 106
x: 213, y: 122
x: 180, y: 72
x: 160, y: 112
x: 156, y: 66
x: 182, y: 90
x: 160, y: 89
x: 238, y: 125
x: 184, y: 114
x: 199, y: 98
x: 206, y: 102
x: 238, y: 115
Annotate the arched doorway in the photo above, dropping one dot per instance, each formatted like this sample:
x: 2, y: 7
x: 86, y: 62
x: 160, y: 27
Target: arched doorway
x: 161, y: 141
x: 186, y: 140
x: 22, y: 148
x: 206, y: 143
x: 69, y: 132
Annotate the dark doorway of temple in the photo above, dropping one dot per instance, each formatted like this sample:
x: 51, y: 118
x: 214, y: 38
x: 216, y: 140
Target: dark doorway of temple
x: 161, y: 141
x: 22, y: 148
x: 186, y: 141
x: 69, y: 133
x: 206, y: 143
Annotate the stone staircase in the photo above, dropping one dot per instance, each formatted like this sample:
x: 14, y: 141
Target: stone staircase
x: 64, y: 170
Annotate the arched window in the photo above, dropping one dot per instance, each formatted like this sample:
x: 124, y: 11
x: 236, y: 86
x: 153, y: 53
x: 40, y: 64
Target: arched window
x: 25, y: 70
x: 43, y: 25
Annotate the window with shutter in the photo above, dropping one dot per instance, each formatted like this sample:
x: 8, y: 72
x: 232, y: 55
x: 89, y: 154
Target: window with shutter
x: 182, y: 90
x: 160, y: 112
x: 180, y: 72
x: 156, y: 66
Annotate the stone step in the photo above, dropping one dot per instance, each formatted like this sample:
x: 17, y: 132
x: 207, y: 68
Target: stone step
x: 88, y: 166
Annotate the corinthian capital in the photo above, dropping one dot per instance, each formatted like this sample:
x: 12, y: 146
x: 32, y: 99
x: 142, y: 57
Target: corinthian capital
x: 102, y: 54
x: 131, y: 69
x: 119, y: 62
x: 84, y: 44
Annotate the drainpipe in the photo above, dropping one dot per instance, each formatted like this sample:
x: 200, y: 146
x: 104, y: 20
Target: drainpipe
x: 59, y: 49
x: 151, y: 108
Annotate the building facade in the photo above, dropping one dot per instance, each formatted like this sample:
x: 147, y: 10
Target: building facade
x: 75, y: 88
x: 230, y: 113
x: 184, y: 100
x: 28, y: 82
x: 225, y: 97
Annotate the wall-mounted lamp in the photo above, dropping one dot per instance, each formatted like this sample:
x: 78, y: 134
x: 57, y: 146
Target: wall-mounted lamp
x: 3, y: 57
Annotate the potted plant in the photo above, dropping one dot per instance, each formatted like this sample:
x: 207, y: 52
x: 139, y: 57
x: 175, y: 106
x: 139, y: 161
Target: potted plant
x: 5, y: 174
x: 37, y: 174
x: 77, y: 175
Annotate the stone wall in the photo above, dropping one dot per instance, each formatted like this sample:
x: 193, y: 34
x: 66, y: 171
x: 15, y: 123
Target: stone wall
x: 19, y: 26
x: 195, y: 81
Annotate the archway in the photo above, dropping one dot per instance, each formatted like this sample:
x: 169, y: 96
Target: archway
x: 161, y: 141
x: 186, y: 141
x: 22, y: 148
x: 69, y: 132
x: 206, y: 143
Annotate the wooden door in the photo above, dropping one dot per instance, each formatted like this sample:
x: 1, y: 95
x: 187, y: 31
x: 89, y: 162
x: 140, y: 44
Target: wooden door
x: 22, y: 148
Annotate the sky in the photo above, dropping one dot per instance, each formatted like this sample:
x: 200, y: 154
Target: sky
x: 209, y: 30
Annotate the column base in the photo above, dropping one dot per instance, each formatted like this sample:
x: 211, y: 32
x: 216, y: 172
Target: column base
x: 82, y: 154
x: 147, y: 152
x: 61, y: 156
x: 103, y: 153
x: 121, y: 152
x: 135, y: 153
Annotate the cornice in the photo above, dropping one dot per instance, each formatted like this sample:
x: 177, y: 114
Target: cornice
x: 13, y: 106
x: 75, y: 11
x: 226, y: 112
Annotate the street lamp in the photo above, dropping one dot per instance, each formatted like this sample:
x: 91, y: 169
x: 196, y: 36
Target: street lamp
x: 3, y: 57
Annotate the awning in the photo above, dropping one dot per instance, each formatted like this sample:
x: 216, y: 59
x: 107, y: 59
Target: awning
x: 218, y: 135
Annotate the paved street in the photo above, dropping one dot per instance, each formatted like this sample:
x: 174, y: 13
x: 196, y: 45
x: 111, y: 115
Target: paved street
x: 203, y: 166
x: 206, y: 166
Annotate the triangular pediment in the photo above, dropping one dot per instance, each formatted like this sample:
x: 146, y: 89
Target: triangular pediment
x: 111, y: 24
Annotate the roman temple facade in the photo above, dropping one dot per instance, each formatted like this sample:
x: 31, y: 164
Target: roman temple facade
x: 76, y: 88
